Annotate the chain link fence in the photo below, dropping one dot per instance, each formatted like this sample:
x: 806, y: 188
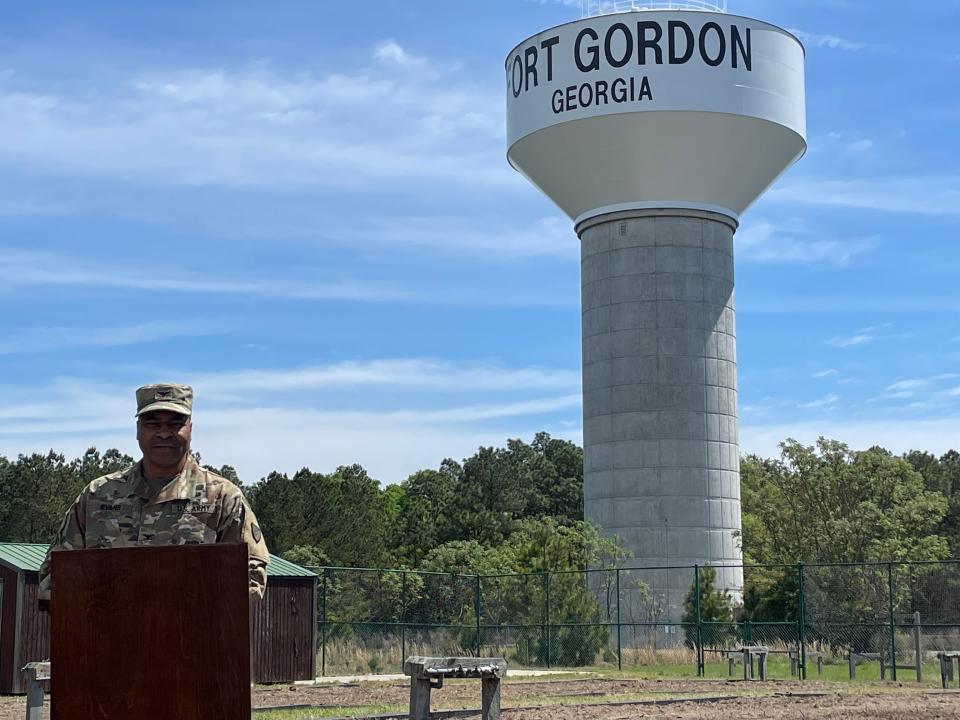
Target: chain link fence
x: 866, y: 620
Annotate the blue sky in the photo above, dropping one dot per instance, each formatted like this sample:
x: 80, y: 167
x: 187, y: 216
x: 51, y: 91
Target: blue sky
x: 304, y: 210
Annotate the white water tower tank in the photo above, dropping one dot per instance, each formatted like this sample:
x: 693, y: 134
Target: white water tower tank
x: 654, y: 126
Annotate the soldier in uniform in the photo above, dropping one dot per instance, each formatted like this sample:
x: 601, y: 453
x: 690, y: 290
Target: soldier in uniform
x: 165, y: 499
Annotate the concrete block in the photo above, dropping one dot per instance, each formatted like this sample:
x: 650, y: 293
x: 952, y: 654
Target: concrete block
x: 598, y: 430
x: 671, y: 342
x: 630, y: 512
x: 714, y: 482
x: 676, y: 259
x: 714, y: 459
x: 635, y: 426
x: 717, y: 237
x: 633, y: 261
x: 596, y: 348
x: 713, y: 424
x: 595, y: 321
x: 636, y: 482
x: 680, y: 231
x: 679, y: 314
x: 602, y: 511
x: 649, y: 342
x: 682, y: 397
x: 598, y: 457
x: 717, y: 290
x: 712, y: 366
x: 684, y: 481
x: 712, y: 397
x: 639, y: 232
x: 595, y: 240
x: 595, y: 294
x: 683, y: 453
x: 633, y: 315
x: 679, y: 286
x: 635, y: 454
x: 682, y: 425
x: 633, y: 371
x: 596, y: 401
x: 715, y: 545
x: 689, y: 543
x: 595, y: 267
x: 714, y: 513
x: 626, y: 343
x: 633, y: 288
x: 598, y: 484
x: 716, y: 264
x: 634, y: 398
x: 712, y: 314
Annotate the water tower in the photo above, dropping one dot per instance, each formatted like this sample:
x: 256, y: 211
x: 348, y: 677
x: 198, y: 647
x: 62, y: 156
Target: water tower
x: 654, y: 125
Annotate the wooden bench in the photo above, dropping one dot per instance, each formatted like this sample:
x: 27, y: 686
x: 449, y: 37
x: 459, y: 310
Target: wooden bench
x: 795, y: 661
x: 745, y: 654
x: 427, y: 673
x: 947, y: 658
x: 858, y: 658
x: 37, y: 673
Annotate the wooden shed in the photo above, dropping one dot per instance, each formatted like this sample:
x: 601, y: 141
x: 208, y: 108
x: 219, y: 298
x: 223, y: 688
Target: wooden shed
x: 283, y: 625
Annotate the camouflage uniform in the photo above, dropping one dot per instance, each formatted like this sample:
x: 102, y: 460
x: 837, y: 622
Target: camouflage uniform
x: 197, y: 506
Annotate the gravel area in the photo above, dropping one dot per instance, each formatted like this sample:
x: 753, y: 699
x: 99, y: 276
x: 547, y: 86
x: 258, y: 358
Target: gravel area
x: 618, y: 698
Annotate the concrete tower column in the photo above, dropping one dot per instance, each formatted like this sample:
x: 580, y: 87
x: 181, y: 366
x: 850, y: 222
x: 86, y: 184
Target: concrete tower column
x: 661, y: 457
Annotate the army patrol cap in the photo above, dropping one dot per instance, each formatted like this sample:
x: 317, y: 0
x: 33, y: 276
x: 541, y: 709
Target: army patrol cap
x: 165, y: 396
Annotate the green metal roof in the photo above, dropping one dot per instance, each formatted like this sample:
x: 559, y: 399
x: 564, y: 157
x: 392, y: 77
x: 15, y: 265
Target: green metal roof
x: 279, y: 567
x: 29, y: 556
x: 22, y: 556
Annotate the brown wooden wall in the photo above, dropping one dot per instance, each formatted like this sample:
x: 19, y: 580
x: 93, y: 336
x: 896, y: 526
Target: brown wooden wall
x: 8, y: 624
x: 283, y: 631
x: 34, y: 626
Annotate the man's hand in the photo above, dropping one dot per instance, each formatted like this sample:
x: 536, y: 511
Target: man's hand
x: 43, y: 605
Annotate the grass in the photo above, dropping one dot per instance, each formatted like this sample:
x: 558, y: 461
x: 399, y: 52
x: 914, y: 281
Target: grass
x: 328, y: 712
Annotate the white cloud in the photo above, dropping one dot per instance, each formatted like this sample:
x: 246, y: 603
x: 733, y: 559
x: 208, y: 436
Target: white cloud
x: 851, y: 340
x: 417, y: 373
x: 399, y: 119
x: 283, y: 420
x: 825, y: 402
x: 867, y: 335
x: 827, y: 41
x: 391, y: 53
x: 832, y: 372
x: 907, y: 385
x: 46, y: 339
x: 548, y: 236
x: 792, y: 241
x: 919, y: 195
x: 20, y: 268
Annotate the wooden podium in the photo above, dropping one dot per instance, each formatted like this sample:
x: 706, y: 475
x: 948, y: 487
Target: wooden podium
x: 150, y: 632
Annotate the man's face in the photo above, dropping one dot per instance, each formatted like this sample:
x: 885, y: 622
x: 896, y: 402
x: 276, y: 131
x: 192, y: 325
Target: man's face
x: 164, y: 438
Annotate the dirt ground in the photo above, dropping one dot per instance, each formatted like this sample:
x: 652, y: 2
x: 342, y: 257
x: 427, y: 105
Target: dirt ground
x: 624, y: 699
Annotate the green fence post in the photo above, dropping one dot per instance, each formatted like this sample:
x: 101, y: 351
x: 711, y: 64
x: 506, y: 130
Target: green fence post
x: 548, y: 619
x: 701, y: 664
x: 893, y: 625
x: 477, y: 608
x: 801, y: 624
x: 747, y: 632
x: 323, y: 626
x: 403, y: 619
x: 619, y: 640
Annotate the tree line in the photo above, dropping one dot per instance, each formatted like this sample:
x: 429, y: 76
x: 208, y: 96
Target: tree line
x: 825, y: 503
